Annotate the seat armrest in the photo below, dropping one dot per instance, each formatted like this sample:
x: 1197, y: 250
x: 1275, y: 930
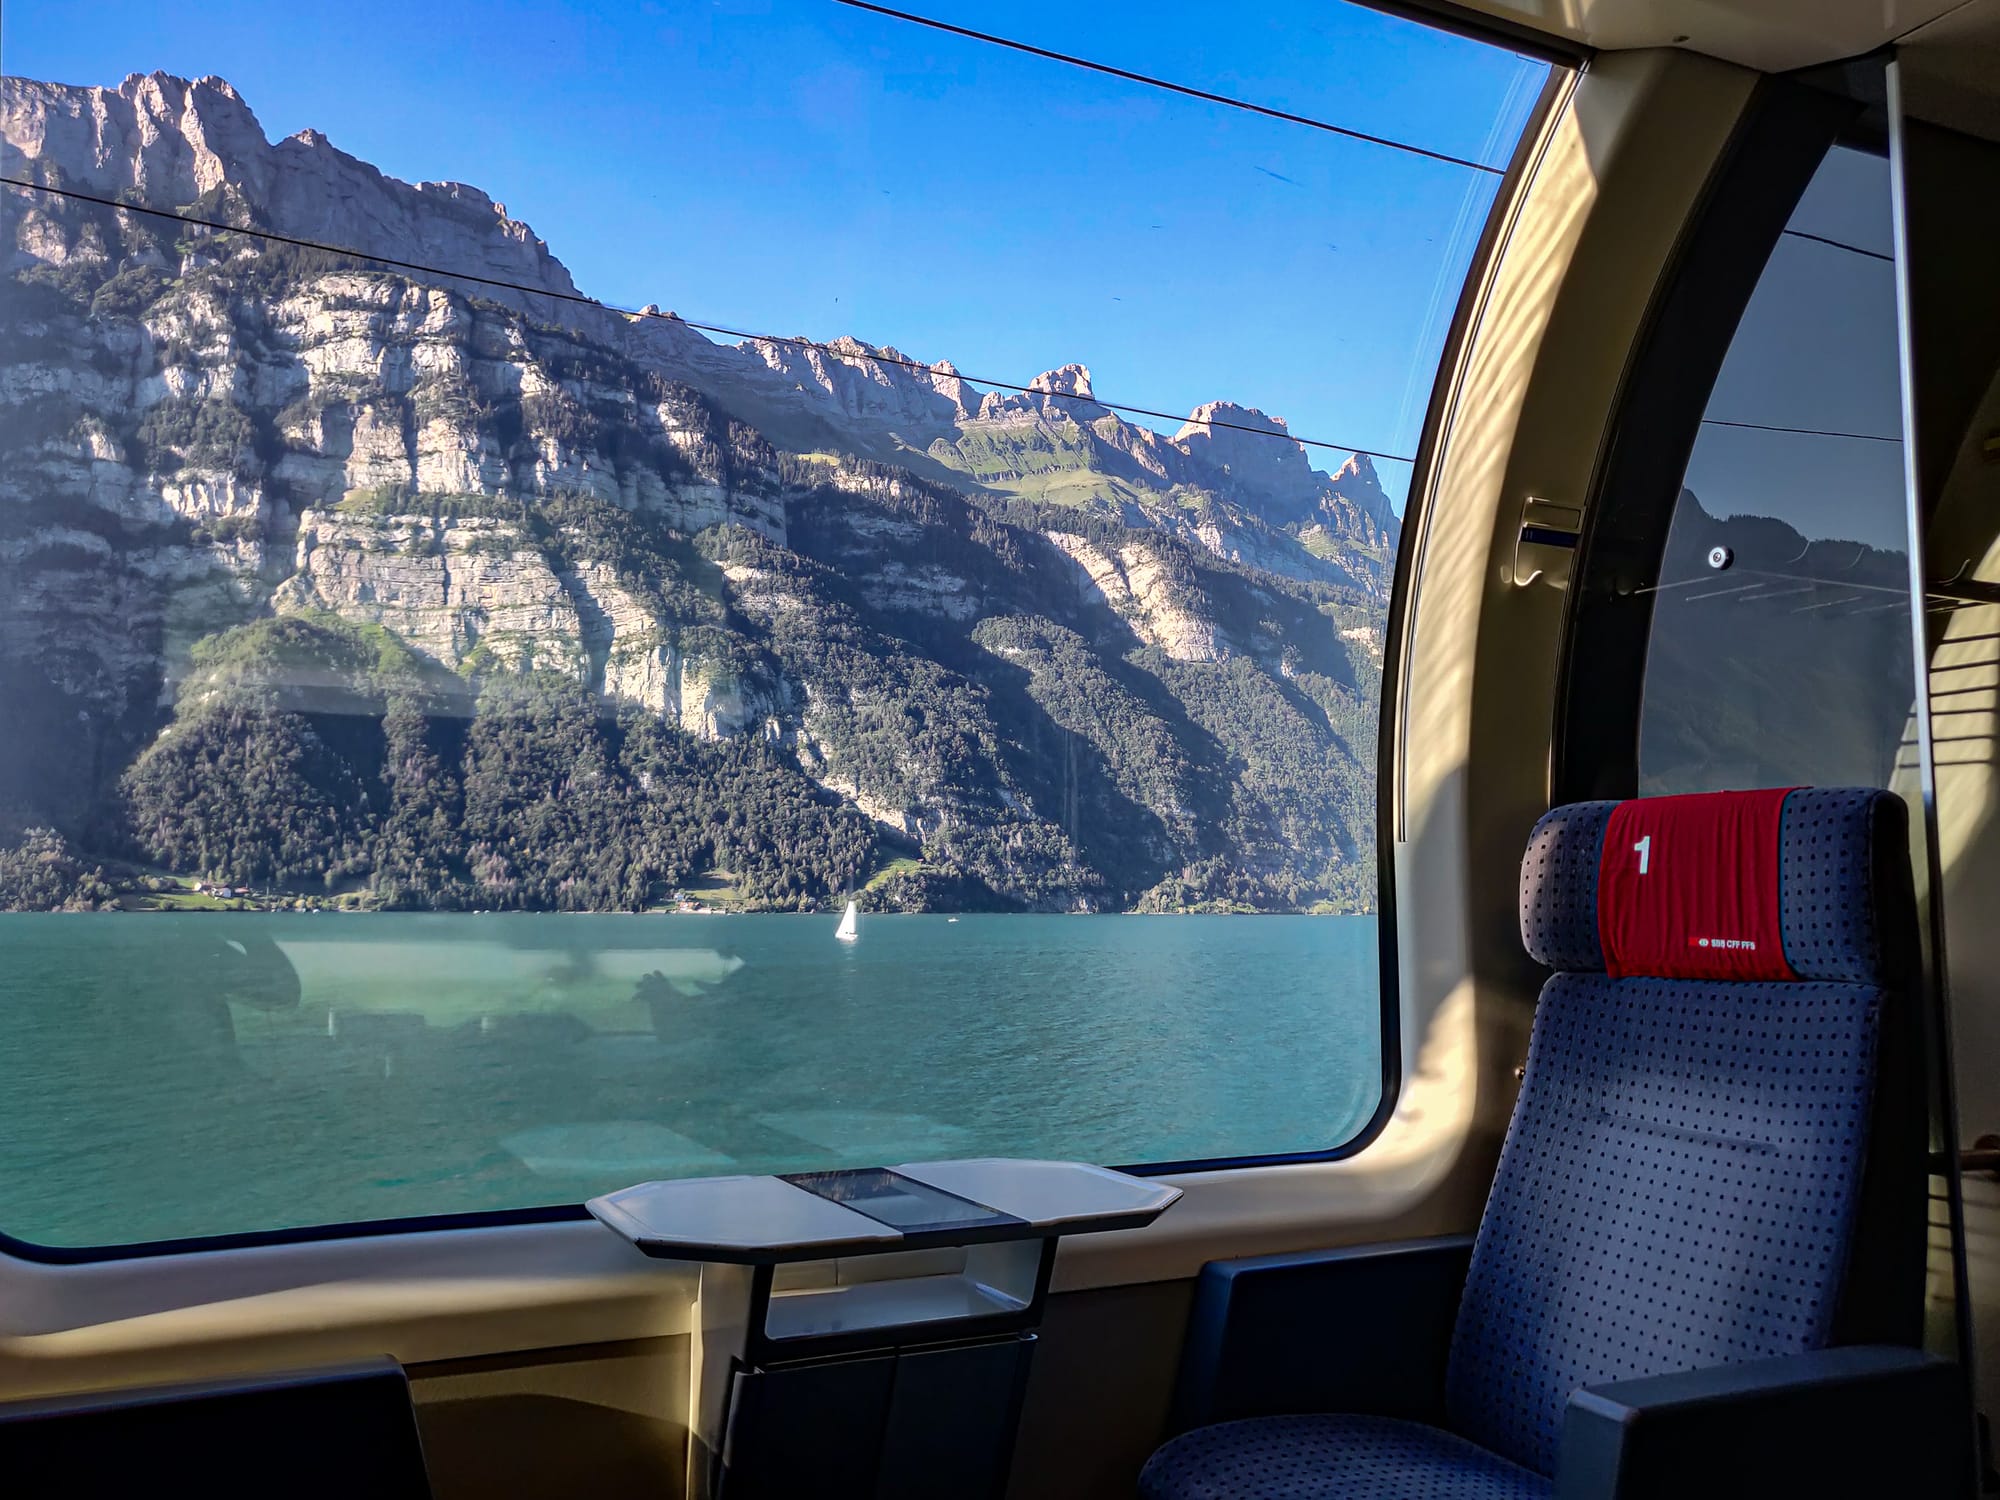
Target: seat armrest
x: 1864, y: 1420
x: 1364, y: 1329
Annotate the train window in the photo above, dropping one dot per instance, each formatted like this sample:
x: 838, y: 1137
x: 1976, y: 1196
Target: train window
x: 1780, y: 648
x: 476, y: 739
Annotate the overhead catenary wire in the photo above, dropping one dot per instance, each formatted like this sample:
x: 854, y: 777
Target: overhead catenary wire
x: 1821, y: 239
x: 792, y: 340
x: 1825, y: 432
x: 1185, y: 90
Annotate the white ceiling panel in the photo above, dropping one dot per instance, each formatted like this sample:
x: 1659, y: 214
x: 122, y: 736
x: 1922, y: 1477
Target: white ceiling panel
x: 1772, y: 35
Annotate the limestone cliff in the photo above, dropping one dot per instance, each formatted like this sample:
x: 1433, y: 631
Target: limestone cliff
x: 918, y: 593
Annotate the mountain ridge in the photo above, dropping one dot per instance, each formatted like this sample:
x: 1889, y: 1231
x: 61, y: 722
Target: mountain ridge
x: 1056, y: 658
x: 157, y: 134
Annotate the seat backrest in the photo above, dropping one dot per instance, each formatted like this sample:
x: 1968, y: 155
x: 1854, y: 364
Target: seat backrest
x: 330, y: 1434
x: 1722, y: 1082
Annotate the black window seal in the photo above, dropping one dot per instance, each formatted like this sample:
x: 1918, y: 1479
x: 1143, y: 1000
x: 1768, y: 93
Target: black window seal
x: 351, y: 1229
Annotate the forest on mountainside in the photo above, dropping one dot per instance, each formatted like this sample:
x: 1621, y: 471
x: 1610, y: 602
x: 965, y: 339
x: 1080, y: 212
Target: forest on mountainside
x: 538, y: 802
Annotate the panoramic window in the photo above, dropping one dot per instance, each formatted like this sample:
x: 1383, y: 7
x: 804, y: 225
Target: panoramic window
x: 794, y: 588
x: 1780, y: 651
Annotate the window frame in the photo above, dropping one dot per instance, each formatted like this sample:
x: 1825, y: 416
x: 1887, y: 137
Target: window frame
x: 1788, y: 130
x: 1389, y: 721
x: 1562, y: 60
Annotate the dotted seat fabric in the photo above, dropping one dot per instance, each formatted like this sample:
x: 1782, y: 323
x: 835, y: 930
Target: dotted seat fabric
x: 1838, y: 848
x: 1559, y: 887
x: 1677, y: 1191
x: 1331, y: 1458
x: 1679, y: 1187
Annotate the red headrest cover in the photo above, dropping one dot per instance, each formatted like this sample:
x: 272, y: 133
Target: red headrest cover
x: 1687, y: 887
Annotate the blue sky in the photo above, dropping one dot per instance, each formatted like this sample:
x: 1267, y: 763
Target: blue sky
x: 797, y: 167
x: 1816, y: 349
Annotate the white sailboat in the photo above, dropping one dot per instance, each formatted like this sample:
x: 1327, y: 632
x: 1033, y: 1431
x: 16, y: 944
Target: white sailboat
x: 849, y: 929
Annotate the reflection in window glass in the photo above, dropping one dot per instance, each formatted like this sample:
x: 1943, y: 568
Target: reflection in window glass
x: 1790, y: 664
x: 448, y: 715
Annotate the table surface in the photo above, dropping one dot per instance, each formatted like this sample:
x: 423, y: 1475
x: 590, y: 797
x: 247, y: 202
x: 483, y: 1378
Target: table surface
x: 767, y: 1220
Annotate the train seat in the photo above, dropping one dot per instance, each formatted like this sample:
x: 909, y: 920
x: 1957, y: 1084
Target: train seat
x: 1701, y: 1261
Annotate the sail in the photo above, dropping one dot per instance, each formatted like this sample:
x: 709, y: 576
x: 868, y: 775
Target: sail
x: 848, y: 929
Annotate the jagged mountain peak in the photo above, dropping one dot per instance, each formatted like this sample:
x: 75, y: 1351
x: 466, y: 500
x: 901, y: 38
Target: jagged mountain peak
x: 1069, y: 380
x: 1358, y: 480
x: 1063, y: 394
x: 1358, y: 483
x: 852, y: 380
x: 1250, y: 452
x: 1201, y: 421
x: 160, y: 87
x: 172, y: 141
x: 155, y: 132
x: 1253, y: 456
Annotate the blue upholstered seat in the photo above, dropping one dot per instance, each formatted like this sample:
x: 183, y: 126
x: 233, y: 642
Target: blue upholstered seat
x: 1679, y: 1188
x: 1332, y: 1458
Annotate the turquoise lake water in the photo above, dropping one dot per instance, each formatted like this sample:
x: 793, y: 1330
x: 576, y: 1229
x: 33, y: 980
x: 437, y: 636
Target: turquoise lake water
x: 165, y: 1076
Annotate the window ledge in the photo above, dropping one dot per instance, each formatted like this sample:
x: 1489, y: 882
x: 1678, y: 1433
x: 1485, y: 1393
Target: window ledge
x: 420, y: 1297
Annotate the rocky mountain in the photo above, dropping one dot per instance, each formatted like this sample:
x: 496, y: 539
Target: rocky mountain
x: 307, y: 561
x: 1823, y: 699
